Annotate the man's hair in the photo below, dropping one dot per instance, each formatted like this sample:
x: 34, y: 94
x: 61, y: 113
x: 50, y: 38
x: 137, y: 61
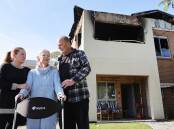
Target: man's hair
x: 65, y: 38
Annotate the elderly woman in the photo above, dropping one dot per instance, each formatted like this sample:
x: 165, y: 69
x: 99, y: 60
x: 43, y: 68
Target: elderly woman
x: 43, y: 82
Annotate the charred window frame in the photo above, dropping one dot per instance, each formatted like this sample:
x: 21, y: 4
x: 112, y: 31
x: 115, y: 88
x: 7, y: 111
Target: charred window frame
x: 78, y: 38
x: 118, y: 32
x: 172, y: 91
x: 162, y: 47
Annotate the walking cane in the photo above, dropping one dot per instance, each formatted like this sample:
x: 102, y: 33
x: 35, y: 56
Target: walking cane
x: 62, y: 112
x: 15, y: 114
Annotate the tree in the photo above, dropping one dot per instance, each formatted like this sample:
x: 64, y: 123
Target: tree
x: 55, y: 54
x: 54, y: 58
x: 166, y: 4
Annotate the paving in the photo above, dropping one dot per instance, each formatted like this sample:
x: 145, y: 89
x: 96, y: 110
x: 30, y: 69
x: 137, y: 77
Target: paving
x: 161, y: 124
x: 153, y: 124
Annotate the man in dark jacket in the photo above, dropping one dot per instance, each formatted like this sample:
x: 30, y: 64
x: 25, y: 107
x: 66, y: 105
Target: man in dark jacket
x: 74, y: 67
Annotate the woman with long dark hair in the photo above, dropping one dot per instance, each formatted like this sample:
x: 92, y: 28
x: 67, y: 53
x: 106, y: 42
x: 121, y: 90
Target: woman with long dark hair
x: 12, y: 78
x: 7, y: 58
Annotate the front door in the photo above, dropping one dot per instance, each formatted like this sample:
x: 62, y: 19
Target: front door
x: 131, y: 100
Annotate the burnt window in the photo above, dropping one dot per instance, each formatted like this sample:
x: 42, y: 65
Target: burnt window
x: 172, y: 91
x: 78, y: 38
x: 118, y: 32
x: 162, y: 47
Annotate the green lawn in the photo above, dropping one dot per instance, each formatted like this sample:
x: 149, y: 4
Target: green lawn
x: 133, y: 125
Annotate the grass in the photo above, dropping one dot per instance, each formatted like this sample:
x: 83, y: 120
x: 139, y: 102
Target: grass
x: 132, y: 125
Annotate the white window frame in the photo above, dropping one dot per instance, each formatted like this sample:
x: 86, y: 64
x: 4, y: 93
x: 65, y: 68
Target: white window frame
x: 163, y: 37
x: 163, y: 25
x: 106, y: 99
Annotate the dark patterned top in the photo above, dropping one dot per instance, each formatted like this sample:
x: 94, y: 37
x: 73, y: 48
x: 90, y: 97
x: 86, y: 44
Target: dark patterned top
x: 8, y: 75
x: 75, y: 66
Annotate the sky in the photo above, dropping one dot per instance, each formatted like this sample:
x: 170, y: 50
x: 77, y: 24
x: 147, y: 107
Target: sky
x: 37, y: 24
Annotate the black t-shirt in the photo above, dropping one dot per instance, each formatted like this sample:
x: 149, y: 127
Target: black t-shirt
x: 8, y: 75
x: 64, y: 68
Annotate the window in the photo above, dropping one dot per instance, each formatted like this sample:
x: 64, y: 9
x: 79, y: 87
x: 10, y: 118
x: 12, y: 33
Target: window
x: 106, y: 90
x: 78, y: 39
x: 162, y: 24
x: 106, y: 96
x: 119, y: 32
x: 172, y: 91
x: 161, y: 47
x: 168, y: 26
x: 157, y: 23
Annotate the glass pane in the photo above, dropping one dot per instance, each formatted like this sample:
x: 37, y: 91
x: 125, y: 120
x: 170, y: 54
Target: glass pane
x: 168, y: 25
x: 157, y: 47
x: 101, y: 83
x: 157, y: 23
x: 111, y: 91
x: 112, y: 106
x: 172, y: 91
x: 101, y: 90
x: 164, y: 48
x: 162, y: 24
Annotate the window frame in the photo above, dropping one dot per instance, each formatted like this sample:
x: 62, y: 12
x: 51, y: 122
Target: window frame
x: 96, y: 37
x: 162, y: 25
x: 105, y: 104
x: 106, y: 85
x: 172, y: 91
x: 162, y: 37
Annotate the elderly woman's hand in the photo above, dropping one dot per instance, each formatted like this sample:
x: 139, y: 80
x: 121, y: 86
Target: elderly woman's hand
x: 19, y: 96
x: 61, y: 96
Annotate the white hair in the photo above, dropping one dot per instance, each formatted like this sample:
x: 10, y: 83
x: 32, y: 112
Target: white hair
x: 38, y: 56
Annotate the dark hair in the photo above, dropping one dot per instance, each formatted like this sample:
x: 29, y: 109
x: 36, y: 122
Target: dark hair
x: 8, y: 58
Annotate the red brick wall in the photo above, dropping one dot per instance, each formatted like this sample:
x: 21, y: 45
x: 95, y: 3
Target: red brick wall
x: 166, y: 73
x: 166, y: 66
x: 168, y: 102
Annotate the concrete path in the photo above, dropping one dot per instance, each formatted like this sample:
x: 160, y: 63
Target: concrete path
x: 161, y: 125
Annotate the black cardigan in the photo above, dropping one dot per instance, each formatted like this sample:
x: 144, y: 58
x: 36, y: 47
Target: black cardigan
x: 8, y: 75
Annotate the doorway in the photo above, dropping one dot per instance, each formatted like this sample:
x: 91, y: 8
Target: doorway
x: 131, y: 100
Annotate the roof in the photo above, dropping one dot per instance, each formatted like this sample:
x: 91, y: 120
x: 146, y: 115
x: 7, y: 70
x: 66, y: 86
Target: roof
x: 104, y: 17
x: 77, y: 15
x: 156, y: 14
